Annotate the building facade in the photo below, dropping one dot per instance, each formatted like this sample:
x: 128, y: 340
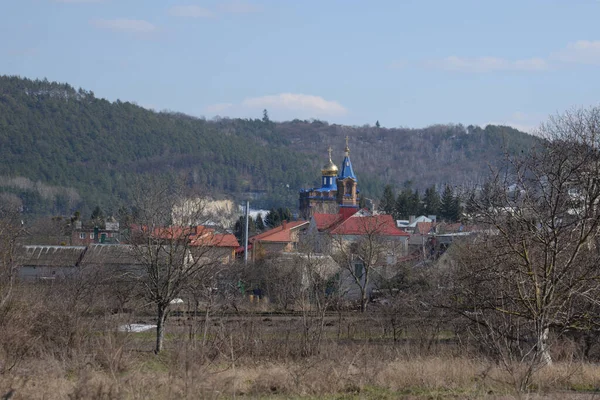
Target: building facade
x: 338, y: 189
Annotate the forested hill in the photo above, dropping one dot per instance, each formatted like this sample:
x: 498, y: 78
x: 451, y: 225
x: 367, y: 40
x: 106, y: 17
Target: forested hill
x: 63, y: 149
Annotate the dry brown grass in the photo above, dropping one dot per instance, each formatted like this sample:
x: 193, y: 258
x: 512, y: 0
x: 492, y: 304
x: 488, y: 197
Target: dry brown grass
x: 164, y: 378
x: 69, y: 350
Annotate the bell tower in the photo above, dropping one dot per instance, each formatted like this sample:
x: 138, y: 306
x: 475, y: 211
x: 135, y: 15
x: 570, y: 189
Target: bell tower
x: 347, y: 193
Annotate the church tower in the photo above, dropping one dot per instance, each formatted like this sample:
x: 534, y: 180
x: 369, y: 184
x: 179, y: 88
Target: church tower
x: 338, y: 189
x: 322, y: 199
x: 347, y: 192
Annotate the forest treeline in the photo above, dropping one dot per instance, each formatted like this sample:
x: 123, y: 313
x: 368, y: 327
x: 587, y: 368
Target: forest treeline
x: 64, y: 149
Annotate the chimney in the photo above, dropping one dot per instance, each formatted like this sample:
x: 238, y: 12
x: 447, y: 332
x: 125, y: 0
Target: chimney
x: 284, y: 225
x: 411, y: 219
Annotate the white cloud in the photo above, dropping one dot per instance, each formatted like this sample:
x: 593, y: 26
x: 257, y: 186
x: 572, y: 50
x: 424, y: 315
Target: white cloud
x: 238, y: 7
x: 580, y: 52
x: 298, y: 103
x: 218, y: 108
x: 488, y: 64
x: 125, y: 25
x: 525, y: 122
x: 190, y: 12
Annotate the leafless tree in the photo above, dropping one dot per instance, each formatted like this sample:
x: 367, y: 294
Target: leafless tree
x: 366, y: 252
x: 535, y: 271
x: 172, y: 256
x: 11, y: 231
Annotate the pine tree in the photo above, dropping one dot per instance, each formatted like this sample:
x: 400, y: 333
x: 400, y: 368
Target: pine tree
x: 387, y: 202
x: 273, y: 218
x: 260, y: 224
x: 265, y: 117
x: 415, y: 204
x: 284, y: 215
x: 97, y: 217
x: 402, y: 207
x: 362, y: 202
x: 239, y: 229
x: 431, y: 201
x: 450, y: 207
x: 457, y: 209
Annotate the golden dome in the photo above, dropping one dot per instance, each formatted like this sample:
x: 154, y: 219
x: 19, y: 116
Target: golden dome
x: 329, y: 169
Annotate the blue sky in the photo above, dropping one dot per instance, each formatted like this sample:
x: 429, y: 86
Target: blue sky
x: 404, y: 63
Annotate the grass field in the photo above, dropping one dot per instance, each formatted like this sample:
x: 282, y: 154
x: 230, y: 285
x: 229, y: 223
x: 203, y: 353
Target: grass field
x: 250, y: 355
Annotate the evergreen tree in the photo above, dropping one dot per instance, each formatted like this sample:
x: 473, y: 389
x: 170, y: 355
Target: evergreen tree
x: 260, y: 224
x: 362, y: 202
x: 265, y: 117
x: 377, y: 125
x: 402, y: 207
x: 431, y: 201
x: 457, y: 209
x: 387, y: 202
x: 239, y: 229
x: 284, y: 215
x: 416, y: 208
x: 450, y: 206
x: 97, y: 216
x: 273, y: 218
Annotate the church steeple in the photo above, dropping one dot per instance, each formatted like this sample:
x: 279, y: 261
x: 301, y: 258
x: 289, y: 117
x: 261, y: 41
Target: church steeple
x: 338, y: 189
x: 347, y: 171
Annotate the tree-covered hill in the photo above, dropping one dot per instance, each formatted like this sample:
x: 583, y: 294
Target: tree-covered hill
x: 63, y: 149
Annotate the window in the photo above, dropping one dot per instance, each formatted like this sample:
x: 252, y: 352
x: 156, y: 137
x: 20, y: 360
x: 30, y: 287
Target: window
x: 82, y: 235
x: 92, y: 235
x: 358, y: 269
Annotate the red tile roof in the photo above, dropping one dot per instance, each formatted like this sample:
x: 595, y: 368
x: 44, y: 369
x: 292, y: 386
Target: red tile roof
x: 217, y: 240
x: 278, y: 234
x: 325, y: 221
x: 197, y: 235
x: 383, y: 225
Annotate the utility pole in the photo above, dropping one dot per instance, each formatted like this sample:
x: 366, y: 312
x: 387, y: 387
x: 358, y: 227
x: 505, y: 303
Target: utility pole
x: 246, y: 235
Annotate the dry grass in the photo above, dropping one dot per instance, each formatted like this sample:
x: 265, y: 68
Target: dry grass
x: 51, y: 349
x: 344, y: 377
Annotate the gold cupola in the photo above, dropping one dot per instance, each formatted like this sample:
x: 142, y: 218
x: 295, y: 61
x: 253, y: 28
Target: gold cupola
x: 329, y: 169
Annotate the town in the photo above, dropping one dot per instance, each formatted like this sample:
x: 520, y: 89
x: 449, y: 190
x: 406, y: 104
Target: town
x: 252, y: 199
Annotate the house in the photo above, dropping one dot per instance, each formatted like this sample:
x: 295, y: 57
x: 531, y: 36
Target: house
x: 350, y: 225
x: 350, y: 236
x: 201, y: 240
x: 56, y: 262
x: 221, y: 245
x: 48, y: 262
x: 281, y: 239
x: 410, y: 224
x: 86, y: 235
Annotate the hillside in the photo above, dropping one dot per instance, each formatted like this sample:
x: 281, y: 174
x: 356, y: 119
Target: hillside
x: 64, y: 149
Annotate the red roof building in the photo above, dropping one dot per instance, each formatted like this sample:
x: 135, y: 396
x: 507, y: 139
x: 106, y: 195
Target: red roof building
x: 197, y: 236
x: 345, y: 227
x: 281, y: 239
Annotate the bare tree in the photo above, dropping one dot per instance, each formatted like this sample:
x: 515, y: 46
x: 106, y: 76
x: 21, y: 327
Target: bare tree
x: 11, y: 231
x: 365, y: 250
x: 172, y: 256
x: 535, y: 270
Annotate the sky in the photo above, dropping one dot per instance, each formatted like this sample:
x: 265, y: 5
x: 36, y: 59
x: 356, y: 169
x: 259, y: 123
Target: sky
x: 404, y: 63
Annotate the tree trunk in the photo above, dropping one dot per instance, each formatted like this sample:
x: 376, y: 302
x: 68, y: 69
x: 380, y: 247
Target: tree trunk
x: 161, y: 313
x: 542, y: 344
x: 363, y: 300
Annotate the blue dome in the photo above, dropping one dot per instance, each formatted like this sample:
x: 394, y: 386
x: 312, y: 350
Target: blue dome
x: 347, y: 171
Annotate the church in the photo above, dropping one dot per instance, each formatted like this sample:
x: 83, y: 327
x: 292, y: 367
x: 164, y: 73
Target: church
x: 338, y: 189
